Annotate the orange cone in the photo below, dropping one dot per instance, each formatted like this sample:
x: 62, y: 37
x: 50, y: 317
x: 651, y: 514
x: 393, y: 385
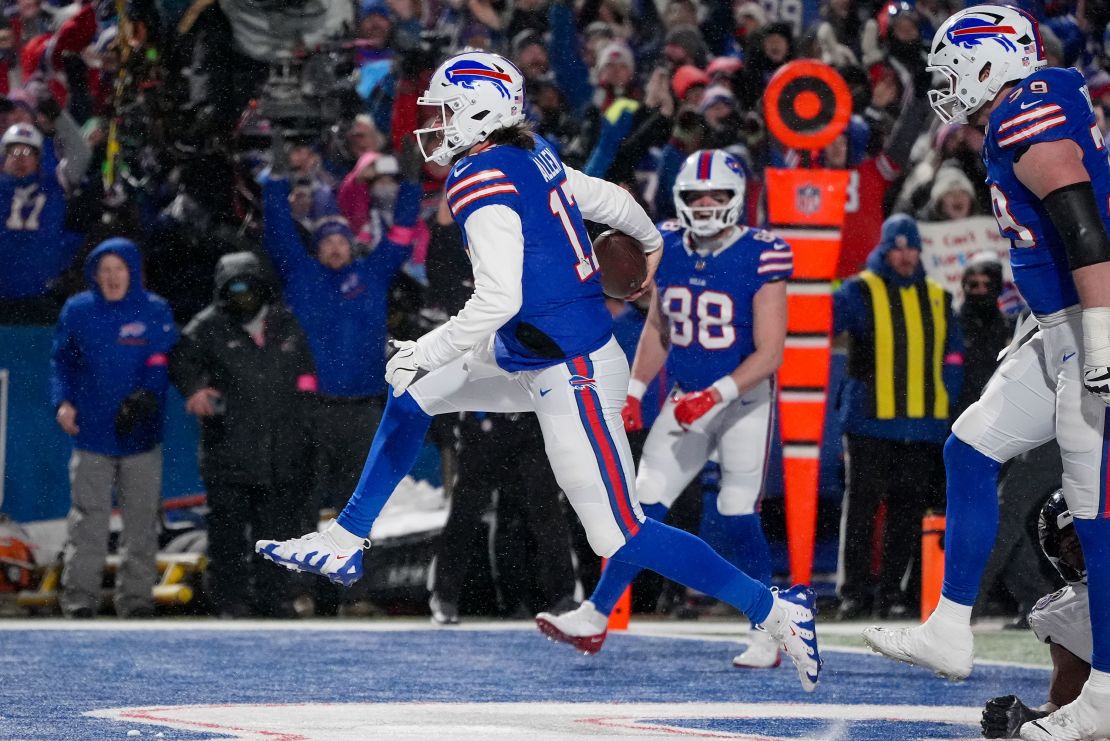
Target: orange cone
x: 932, y: 562
x: 622, y: 611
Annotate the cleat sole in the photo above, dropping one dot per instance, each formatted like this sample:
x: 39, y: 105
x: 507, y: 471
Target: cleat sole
x: 588, y: 645
x: 951, y: 677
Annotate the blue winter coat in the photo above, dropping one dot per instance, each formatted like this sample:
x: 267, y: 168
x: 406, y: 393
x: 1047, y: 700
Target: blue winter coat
x: 343, y: 311
x: 105, y: 350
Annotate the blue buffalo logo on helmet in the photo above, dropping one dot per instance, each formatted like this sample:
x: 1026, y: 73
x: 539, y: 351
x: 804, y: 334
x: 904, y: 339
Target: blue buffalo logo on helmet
x: 466, y: 72
x: 974, y: 30
x: 734, y: 164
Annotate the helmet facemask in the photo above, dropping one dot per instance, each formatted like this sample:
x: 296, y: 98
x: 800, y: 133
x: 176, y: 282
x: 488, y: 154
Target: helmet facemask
x: 440, y: 140
x: 955, y: 107
x: 705, y: 220
x: 947, y: 103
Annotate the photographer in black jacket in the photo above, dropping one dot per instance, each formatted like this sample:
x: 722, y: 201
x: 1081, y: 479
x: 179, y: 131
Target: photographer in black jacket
x: 246, y: 372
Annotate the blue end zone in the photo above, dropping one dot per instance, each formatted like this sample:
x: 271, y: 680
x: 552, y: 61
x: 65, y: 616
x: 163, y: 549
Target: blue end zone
x: 51, y: 677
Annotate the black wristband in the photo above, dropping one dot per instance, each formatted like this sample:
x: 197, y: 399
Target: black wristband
x: 1075, y: 214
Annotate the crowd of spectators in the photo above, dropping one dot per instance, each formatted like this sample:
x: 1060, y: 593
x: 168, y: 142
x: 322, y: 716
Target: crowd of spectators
x: 280, y: 128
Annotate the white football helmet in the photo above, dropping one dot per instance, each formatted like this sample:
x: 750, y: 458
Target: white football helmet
x: 22, y: 134
x: 709, y: 170
x: 1005, y: 38
x: 471, y: 95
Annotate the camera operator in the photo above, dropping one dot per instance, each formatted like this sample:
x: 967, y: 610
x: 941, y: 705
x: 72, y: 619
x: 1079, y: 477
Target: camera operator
x: 245, y: 370
x: 238, y: 40
x: 341, y: 300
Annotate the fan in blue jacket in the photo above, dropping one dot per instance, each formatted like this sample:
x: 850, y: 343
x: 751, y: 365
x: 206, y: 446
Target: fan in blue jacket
x: 340, y: 300
x: 109, y: 360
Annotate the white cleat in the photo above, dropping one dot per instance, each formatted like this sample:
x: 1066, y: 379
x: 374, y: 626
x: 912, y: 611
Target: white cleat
x: 1084, y: 719
x: 948, y: 654
x: 317, y: 553
x: 584, y: 628
x: 798, y: 632
x: 762, y: 652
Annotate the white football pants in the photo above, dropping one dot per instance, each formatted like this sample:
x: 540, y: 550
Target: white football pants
x: 739, y: 431
x: 1036, y: 395
x: 578, y: 404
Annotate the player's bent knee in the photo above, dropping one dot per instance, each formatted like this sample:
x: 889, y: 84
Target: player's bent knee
x: 407, y: 405
x: 963, y: 458
x: 649, y: 490
x: 982, y: 429
x: 736, y: 501
x: 605, y: 541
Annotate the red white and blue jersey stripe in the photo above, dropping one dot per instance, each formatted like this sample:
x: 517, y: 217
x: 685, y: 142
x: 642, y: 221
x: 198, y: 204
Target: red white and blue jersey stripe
x: 707, y: 299
x: 1050, y: 105
x: 563, y: 314
x: 474, y: 189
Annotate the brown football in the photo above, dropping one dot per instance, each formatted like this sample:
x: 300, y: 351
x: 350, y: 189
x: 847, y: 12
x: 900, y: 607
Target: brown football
x: 622, y: 263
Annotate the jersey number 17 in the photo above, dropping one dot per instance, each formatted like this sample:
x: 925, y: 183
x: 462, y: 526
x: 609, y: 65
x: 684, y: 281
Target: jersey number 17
x: 560, y: 202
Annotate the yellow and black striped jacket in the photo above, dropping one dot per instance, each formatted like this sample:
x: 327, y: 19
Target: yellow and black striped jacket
x: 904, y: 357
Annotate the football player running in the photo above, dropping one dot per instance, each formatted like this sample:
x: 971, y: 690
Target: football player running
x: 535, y: 336
x: 1050, y: 180
x: 719, y: 324
x: 1061, y: 619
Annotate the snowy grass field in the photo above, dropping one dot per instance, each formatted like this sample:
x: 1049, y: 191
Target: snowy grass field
x: 403, y: 679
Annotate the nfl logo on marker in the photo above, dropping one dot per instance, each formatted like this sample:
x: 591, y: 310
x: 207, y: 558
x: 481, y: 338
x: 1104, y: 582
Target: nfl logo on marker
x: 808, y: 199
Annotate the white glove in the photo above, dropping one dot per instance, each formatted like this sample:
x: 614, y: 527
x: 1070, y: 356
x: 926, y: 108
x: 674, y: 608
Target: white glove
x: 1096, y: 379
x: 1096, y: 352
x: 405, y: 365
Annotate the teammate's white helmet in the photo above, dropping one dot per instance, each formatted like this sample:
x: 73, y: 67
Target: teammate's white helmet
x: 22, y: 134
x: 471, y: 95
x: 709, y: 170
x: 1005, y: 38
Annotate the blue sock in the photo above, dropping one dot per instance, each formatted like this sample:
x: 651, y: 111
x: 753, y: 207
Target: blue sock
x: 749, y: 550
x: 617, y: 575
x: 686, y: 559
x: 1094, y: 536
x: 397, y: 443
x: 971, y: 522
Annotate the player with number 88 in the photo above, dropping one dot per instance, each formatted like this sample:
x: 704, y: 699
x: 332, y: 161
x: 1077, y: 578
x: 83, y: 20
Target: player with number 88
x: 719, y: 324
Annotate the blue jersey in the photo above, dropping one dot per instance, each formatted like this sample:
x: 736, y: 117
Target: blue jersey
x: 707, y: 299
x: 563, y: 312
x: 34, y: 244
x: 1049, y: 105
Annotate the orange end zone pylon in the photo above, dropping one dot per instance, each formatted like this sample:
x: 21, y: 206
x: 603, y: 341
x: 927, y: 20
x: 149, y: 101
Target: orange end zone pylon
x: 932, y: 562
x: 622, y: 611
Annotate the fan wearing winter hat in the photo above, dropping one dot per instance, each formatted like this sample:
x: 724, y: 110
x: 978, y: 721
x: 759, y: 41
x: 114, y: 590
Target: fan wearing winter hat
x: 951, y: 197
x: 340, y: 299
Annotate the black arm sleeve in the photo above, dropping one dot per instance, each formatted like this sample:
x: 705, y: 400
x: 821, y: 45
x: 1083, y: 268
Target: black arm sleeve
x: 914, y: 119
x: 1075, y: 215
